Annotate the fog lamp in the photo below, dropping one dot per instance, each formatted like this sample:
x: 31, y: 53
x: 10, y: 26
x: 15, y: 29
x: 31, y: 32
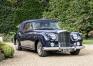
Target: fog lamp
x: 52, y: 44
x: 78, y: 43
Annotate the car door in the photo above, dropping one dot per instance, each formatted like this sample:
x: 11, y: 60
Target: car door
x: 27, y: 35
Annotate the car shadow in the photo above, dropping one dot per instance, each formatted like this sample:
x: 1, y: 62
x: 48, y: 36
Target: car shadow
x: 83, y: 52
x: 58, y: 54
x: 63, y: 54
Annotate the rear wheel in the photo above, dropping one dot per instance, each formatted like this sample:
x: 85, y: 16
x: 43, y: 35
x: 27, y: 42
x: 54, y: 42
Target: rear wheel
x: 40, y: 50
x: 75, y: 52
x: 18, y: 45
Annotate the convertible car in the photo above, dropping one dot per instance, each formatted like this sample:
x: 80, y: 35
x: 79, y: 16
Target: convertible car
x: 44, y: 35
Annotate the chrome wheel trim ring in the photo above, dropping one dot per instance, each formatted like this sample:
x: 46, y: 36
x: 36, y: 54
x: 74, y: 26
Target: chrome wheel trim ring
x: 39, y: 49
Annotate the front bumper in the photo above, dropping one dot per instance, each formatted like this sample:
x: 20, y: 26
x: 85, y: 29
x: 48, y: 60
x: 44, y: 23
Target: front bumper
x: 62, y: 48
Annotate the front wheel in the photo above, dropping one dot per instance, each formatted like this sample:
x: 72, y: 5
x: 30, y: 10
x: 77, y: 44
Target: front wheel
x: 40, y: 50
x: 75, y: 52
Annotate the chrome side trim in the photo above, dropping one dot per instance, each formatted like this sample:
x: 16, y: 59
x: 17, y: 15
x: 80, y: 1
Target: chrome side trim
x: 61, y: 48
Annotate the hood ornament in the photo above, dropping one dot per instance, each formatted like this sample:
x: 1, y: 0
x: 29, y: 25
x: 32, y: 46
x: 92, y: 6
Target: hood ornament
x: 61, y: 31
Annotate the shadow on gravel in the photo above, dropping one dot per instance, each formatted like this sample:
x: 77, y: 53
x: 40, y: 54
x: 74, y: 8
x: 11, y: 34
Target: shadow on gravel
x: 59, y: 54
x: 28, y: 50
x: 64, y: 55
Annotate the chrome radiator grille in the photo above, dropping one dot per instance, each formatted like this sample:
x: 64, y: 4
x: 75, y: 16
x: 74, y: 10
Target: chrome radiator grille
x: 64, y: 39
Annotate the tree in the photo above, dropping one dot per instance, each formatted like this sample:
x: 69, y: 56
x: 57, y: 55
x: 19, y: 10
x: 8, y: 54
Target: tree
x: 6, y: 17
x: 29, y: 10
x: 12, y: 12
x: 75, y: 15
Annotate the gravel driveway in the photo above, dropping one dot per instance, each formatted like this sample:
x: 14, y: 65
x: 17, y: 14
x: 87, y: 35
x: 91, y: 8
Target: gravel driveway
x: 28, y: 58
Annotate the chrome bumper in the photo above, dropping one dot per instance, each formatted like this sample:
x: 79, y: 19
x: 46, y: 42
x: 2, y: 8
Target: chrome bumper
x: 62, y: 48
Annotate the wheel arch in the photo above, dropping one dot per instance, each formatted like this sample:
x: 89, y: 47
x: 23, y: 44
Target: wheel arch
x: 41, y: 39
x: 36, y: 42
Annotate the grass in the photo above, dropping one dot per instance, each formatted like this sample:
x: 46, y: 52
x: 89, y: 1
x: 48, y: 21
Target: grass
x: 88, y: 41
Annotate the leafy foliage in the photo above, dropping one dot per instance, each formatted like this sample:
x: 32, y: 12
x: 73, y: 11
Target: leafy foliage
x: 29, y: 10
x: 12, y: 12
x: 7, y: 50
x: 75, y: 15
x: 6, y: 17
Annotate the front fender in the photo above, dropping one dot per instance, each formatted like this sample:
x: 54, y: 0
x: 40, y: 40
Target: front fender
x: 42, y: 38
x: 79, y: 34
x: 79, y: 40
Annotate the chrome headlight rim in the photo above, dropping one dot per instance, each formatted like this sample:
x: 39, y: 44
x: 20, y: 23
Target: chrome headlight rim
x: 75, y: 36
x: 51, y: 36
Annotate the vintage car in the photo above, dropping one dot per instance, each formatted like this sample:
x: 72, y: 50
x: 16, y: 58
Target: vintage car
x: 44, y: 35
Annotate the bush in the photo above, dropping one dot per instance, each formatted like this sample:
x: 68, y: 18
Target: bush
x: 7, y: 50
x: 2, y: 57
x: 7, y: 37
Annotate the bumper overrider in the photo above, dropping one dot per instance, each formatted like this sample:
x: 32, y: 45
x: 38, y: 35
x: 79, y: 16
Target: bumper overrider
x: 62, y: 48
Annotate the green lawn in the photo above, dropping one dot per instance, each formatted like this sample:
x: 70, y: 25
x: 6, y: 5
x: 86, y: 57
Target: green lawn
x: 88, y: 41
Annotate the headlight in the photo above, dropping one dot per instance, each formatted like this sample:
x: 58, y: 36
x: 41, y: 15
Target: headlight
x: 75, y: 36
x: 52, y: 36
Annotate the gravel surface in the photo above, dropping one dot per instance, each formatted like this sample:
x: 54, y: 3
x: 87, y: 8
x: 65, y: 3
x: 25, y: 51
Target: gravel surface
x: 29, y: 58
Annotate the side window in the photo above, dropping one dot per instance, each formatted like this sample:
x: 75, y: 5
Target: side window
x: 27, y: 27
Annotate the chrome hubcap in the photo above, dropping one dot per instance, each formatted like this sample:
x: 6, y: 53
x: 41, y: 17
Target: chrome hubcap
x: 39, y: 49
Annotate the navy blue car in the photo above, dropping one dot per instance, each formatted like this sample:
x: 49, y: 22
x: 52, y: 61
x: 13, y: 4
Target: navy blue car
x: 43, y: 36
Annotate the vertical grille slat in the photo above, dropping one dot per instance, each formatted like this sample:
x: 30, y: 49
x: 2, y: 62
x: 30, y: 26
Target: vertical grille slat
x: 64, y: 39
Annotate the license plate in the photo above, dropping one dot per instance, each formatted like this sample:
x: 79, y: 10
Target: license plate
x: 78, y: 43
x: 66, y: 50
